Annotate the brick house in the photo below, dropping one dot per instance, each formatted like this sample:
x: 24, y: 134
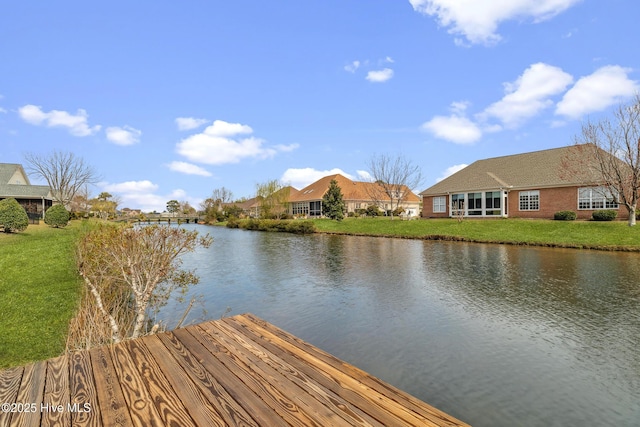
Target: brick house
x: 356, y: 195
x: 528, y: 185
x: 14, y: 183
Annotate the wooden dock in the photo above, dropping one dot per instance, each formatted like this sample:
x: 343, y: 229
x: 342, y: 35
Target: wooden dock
x: 236, y: 371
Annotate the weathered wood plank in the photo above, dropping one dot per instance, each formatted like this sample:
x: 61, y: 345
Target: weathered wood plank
x: 400, y: 404
x: 238, y: 371
x: 307, y: 395
x: 30, y: 396
x: 226, y: 383
x: 82, y: 391
x: 55, y: 406
x: 256, y: 397
x: 139, y: 400
x: 167, y: 402
x: 318, y: 387
x: 113, y: 407
x: 185, y: 375
x: 10, y: 380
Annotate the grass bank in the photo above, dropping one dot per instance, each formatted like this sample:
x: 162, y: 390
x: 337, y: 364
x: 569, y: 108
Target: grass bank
x: 616, y: 235
x: 39, y: 292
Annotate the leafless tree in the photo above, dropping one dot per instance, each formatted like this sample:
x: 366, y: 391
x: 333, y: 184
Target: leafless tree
x: 65, y: 173
x: 124, y: 284
x: 613, y: 146
x: 393, y: 177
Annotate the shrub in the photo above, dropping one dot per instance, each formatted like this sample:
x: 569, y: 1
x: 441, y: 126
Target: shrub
x: 13, y: 217
x: 565, y: 216
x: 605, y: 215
x: 288, y: 226
x: 373, y: 210
x: 56, y: 216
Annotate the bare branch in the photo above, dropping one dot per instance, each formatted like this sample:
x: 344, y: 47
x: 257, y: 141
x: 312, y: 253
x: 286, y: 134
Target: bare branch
x: 65, y: 173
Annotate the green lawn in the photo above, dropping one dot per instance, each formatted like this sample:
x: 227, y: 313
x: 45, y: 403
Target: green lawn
x: 581, y: 234
x: 39, y: 292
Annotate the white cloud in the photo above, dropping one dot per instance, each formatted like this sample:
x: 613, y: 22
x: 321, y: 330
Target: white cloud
x: 364, y: 175
x: 188, y: 123
x: 300, y: 178
x: 125, y: 135
x: 529, y: 94
x: 145, y: 186
x: 380, y: 76
x: 188, y: 168
x: 478, y: 21
x: 454, y: 128
x: 607, y: 86
x: 76, y: 124
x: 2, y: 110
x: 142, y: 195
x: 220, y: 144
x: 352, y: 67
x: 451, y: 170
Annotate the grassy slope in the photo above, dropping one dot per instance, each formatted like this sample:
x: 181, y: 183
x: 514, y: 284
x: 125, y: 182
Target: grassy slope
x: 586, y: 234
x: 39, y: 292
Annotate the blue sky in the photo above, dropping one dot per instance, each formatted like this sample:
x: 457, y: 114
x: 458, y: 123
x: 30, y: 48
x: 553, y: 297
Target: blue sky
x: 170, y: 100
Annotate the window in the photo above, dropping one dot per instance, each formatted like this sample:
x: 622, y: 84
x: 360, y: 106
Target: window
x: 300, y: 208
x: 492, y: 202
x: 440, y: 204
x: 530, y: 200
x: 474, y: 201
x: 315, y: 208
x: 457, y: 204
x: 596, y: 198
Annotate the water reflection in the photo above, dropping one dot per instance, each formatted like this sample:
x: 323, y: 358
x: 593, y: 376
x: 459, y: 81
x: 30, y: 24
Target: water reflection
x: 495, y: 335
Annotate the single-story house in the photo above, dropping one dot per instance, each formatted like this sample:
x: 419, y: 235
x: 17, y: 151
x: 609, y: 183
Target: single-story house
x: 527, y: 185
x: 355, y: 194
x: 14, y: 183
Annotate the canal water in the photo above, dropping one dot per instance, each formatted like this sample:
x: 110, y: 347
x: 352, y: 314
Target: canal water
x: 494, y: 335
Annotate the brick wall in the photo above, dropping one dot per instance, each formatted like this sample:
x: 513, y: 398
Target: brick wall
x: 552, y: 200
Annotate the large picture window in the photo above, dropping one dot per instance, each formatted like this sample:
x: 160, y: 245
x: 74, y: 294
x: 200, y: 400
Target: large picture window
x: 440, y: 204
x: 596, y: 198
x: 475, y: 203
x: 529, y: 200
x: 315, y: 208
x: 492, y: 202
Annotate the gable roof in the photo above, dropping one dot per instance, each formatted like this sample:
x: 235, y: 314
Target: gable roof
x: 351, y: 190
x: 545, y: 168
x: 15, y: 183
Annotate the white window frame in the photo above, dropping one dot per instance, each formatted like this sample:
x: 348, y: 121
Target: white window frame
x: 532, y: 201
x: 440, y: 204
x: 596, y: 198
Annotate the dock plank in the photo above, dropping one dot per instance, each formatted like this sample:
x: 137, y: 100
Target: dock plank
x: 55, y: 407
x: 10, y: 380
x: 207, y: 400
x: 236, y: 371
x: 139, y: 400
x: 30, y: 395
x: 113, y: 407
x: 82, y: 391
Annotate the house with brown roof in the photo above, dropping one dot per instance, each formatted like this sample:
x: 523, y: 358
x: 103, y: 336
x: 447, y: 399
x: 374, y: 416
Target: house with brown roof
x: 356, y: 195
x: 14, y: 183
x: 527, y: 185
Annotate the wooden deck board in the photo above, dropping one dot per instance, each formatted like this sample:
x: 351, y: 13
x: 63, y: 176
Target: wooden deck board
x: 237, y: 371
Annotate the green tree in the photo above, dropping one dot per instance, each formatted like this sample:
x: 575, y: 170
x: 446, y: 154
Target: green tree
x: 332, y: 202
x: 13, y: 217
x: 274, y: 199
x: 173, y: 207
x: 56, y: 216
x: 104, y: 205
